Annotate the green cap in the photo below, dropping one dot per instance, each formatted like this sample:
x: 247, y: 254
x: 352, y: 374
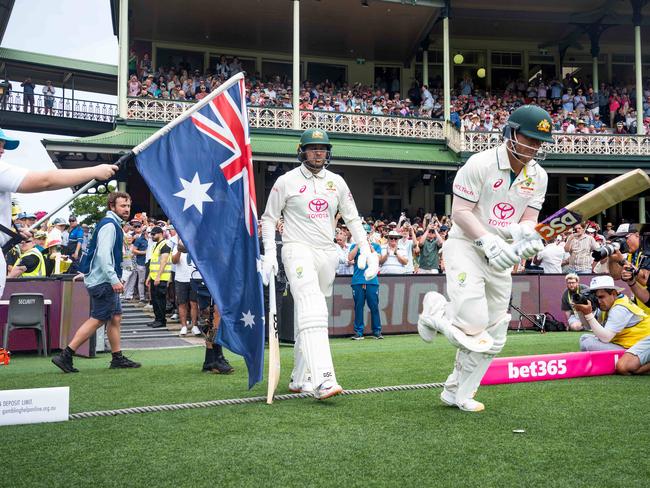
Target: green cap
x: 532, y: 121
x: 315, y: 136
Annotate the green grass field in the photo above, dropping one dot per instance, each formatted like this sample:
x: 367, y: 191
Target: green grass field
x: 591, y: 432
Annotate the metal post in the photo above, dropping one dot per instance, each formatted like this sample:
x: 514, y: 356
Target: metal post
x: 639, y: 80
x: 445, y: 66
x: 72, y: 106
x: 123, y: 65
x: 425, y: 67
x: 594, y: 74
x: 642, y: 219
x: 296, y: 65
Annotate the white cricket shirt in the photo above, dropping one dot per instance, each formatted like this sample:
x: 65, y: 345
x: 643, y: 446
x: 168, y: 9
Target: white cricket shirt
x: 485, y: 181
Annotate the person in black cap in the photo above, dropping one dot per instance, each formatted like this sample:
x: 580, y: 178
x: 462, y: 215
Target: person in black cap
x: 16, y: 179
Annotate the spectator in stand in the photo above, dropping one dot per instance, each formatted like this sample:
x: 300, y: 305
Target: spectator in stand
x: 48, y: 94
x: 28, y: 94
x: 365, y: 291
x: 427, y: 101
x: 134, y: 86
x: 552, y: 256
x: 579, y: 246
x: 430, y: 244
x: 408, y: 244
x: 393, y: 260
x: 346, y: 265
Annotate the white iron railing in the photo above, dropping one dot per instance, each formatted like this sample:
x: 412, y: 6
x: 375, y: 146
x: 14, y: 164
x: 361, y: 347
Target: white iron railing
x: 570, y: 144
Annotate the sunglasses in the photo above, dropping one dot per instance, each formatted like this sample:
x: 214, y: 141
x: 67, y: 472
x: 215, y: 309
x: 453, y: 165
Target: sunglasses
x: 393, y: 238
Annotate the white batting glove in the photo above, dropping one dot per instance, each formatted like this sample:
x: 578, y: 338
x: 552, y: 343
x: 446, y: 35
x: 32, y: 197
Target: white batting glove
x: 269, y: 268
x: 499, y: 253
x: 369, y: 261
x: 526, y: 241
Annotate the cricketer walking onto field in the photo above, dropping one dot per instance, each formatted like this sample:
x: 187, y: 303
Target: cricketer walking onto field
x: 309, y: 197
x: 498, y: 195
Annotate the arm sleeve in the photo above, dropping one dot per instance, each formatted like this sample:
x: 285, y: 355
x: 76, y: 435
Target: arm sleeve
x: 104, y: 256
x: 461, y: 214
x: 350, y: 214
x: 272, y: 213
x: 468, y: 181
x: 539, y: 195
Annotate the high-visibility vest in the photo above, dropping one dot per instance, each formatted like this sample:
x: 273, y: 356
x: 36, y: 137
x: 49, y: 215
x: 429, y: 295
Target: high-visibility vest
x: 631, y: 335
x: 154, y: 264
x: 39, y: 270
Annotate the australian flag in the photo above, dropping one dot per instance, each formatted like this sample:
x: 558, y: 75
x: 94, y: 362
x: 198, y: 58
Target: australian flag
x: 201, y: 173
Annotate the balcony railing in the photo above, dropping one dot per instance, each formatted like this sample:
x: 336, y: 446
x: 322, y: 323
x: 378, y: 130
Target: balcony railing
x: 281, y: 118
x: 61, y: 107
x: 570, y: 144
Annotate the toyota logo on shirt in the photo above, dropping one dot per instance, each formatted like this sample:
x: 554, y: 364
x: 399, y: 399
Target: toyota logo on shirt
x: 318, y: 205
x: 503, y: 210
x: 318, y: 209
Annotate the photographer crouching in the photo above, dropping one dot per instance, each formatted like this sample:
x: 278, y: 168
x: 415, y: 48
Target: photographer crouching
x: 623, y: 325
x: 636, y: 360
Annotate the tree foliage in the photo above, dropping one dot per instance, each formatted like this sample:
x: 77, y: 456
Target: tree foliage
x: 90, y: 208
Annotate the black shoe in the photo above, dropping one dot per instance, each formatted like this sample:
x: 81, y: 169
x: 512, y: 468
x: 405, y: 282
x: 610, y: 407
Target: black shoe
x: 64, y: 362
x: 122, y: 362
x: 378, y: 336
x: 210, y: 358
x: 221, y: 366
x: 158, y: 325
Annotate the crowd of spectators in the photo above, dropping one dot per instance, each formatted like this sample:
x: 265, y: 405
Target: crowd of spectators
x: 573, y: 104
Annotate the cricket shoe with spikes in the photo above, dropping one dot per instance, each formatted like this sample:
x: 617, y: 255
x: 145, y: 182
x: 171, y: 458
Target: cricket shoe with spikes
x: 469, y: 405
x: 432, y: 320
x: 327, y: 390
x: 306, y: 387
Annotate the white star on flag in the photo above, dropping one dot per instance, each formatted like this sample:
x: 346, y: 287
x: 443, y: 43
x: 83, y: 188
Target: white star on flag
x: 248, y: 319
x: 194, y: 193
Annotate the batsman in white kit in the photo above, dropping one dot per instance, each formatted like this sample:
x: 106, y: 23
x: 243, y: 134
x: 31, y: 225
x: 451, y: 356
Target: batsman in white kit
x: 498, y: 195
x: 309, y: 197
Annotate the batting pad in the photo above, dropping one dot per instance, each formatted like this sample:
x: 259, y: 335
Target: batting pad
x: 544, y: 367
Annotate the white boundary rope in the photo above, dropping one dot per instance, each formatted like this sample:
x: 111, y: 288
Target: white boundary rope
x: 241, y: 401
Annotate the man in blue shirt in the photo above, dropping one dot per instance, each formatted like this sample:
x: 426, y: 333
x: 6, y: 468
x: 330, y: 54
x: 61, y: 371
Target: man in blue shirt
x: 139, y: 250
x: 365, y: 291
x: 104, y: 285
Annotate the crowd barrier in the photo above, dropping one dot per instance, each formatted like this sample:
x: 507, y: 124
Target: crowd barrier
x: 69, y: 309
x: 400, y: 300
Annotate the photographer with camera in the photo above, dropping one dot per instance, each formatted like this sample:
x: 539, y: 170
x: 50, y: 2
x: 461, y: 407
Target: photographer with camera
x: 624, y: 324
x: 574, y: 290
x: 625, y: 252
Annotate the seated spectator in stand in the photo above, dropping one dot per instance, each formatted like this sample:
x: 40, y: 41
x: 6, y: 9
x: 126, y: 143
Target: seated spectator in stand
x: 625, y: 324
x: 575, y: 320
x: 579, y: 246
x: 364, y: 291
x: 393, y: 260
x: 551, y: 257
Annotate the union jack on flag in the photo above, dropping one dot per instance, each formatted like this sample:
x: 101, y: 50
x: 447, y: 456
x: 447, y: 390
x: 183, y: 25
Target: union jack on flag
x: 201, y: 174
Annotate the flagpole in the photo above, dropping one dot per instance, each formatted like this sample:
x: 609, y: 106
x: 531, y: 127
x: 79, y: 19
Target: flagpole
x: 125, y: 158
x: 187, y: 114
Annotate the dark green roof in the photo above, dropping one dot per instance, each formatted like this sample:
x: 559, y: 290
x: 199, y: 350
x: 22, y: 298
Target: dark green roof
x: 127, y: 136
x: 57, y: 62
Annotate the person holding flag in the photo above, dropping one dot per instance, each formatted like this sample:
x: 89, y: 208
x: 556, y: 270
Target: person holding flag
x: 309, y: 197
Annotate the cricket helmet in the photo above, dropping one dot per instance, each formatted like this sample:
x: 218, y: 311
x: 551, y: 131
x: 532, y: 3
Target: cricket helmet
x: 532, y: 121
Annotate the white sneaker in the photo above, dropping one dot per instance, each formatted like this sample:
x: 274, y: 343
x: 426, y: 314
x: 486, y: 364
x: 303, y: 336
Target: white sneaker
x: 196, y: 331
x: 306, y: 387
x: 148, y: 306
x: 327, y: 389
x: 469, y: 405
x: 183, y: 331
x: 174, y: 317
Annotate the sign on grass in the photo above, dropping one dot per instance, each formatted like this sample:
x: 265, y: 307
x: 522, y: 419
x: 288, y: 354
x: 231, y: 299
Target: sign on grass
x: 34, y: 405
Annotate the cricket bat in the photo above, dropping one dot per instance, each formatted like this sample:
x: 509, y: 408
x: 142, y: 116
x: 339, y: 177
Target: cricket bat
x: 274, y: 345
x: 605, y: 196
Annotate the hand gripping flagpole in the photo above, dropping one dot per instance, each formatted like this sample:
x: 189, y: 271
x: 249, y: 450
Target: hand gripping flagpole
x: 129, y: 156
x: 274, y: 344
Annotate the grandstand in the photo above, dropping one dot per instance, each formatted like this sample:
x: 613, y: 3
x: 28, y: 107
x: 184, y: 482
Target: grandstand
x: 396, y: 151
